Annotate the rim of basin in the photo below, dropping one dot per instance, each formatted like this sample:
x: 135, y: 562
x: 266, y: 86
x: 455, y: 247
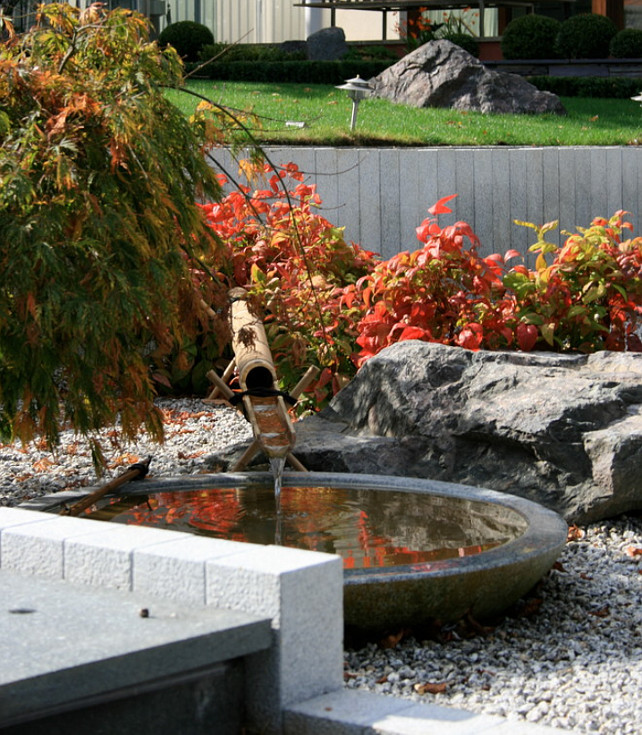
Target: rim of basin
x: 545, y: 532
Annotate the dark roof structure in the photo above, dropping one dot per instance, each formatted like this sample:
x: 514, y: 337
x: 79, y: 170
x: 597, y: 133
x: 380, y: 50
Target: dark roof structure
x: 385, y: 6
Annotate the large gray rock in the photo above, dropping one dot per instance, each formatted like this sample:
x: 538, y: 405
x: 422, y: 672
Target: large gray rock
x: 442, y: 74
x: 328, y: 44
x: 562, y: 430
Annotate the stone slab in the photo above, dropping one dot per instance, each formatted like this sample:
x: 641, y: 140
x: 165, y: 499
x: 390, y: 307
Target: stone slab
x: 63, y: 644
x: 365, y: 713
x: 183, y: 561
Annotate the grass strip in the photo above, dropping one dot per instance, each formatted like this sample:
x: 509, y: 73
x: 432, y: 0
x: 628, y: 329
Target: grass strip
x: 325, y: 114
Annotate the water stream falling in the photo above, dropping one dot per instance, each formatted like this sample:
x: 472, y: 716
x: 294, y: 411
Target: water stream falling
x: 277, y: 465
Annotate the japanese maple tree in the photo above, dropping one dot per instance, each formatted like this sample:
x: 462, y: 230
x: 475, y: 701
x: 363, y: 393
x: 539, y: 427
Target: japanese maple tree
x: 99, y: 175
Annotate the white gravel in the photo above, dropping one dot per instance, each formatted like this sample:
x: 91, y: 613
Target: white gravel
x: 569, y: 656
x: 193, y: 430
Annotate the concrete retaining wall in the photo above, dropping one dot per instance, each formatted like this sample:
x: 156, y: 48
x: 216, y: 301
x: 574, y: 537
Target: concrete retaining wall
x: 380, y: 195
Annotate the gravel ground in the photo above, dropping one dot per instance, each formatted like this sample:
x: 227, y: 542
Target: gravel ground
x: 570, y: 655
x: 193, y: 430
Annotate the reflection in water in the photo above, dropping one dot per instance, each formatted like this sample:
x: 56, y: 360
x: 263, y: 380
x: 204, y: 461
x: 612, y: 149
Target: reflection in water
x: 367, y: 528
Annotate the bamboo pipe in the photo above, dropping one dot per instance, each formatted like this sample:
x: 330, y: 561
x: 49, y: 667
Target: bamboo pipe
x: 311, y: 374
x: 136, y: 471
x: 266, y: 413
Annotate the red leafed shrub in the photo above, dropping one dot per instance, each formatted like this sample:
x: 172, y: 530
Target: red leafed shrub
x: 588, y: 298
x: 444, y: 292
x: 330, y: 303
x: 299, y: 269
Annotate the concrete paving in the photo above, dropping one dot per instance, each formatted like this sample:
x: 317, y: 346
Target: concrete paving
x: 63, y: 646
x: 364, y: 713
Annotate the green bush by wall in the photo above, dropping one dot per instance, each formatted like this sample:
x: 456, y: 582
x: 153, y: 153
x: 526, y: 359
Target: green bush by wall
x: 297, y: 72
x: 228, y: 52
x: 530, y: 37
x: 187, y: 37
x: 627, y: 44
x: 463, y: 40
x: 605, y: 87
x: 585, y: 36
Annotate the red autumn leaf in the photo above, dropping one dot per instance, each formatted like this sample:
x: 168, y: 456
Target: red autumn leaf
x: 413, y: 333
x: 471, y: 336
x: 510, y: 254
x: 526, y: 336
x: 440, y: 206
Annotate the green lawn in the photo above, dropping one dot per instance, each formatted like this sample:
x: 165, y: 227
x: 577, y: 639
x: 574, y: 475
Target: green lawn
x: 326, y: 114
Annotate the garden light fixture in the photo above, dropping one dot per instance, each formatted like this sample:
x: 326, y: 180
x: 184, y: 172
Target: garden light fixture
x: 357, y: 90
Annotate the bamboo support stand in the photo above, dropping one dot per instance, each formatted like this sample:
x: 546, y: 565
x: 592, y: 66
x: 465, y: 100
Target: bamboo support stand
x: 264, y: 407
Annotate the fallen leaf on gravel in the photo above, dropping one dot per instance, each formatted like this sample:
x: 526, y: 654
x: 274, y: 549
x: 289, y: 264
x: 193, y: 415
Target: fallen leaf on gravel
x: 633, y: 551
x: 392, y: 640
x: 192, y: 455
x: 531, y: 607
x: 477, y: 626
x: 431, y: 687
x: 603, y: 612
x: 559, y: 567
x: 42, y: 464
x: 574, y: 533
x: 126, y: 458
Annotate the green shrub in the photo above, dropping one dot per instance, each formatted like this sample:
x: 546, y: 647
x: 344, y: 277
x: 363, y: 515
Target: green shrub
x: 227, y: 52
x: 371, y: 53
x: 530, y: 37
x: 627, y: 44
x: 463, y: 40
x: 585, y: 36
x: 605, y: 87
x: 187, y: 37
x: 295, y: 72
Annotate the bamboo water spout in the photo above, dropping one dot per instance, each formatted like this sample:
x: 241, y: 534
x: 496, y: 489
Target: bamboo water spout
x: 263, y: 402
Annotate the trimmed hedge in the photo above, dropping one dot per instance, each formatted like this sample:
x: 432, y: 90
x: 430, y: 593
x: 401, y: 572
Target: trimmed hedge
x: 297, y: 72
x: 606, y: 87
x: 627, y: 44
x: 187, y: 37
x: 585, y: 36
x: 463, y: 40
x: 530, y: 37
x: 227, y: 53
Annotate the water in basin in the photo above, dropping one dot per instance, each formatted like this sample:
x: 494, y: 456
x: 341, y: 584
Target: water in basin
x: 367, y: 529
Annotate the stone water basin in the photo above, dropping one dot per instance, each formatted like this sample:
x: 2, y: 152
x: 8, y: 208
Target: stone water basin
x: 414, y: 550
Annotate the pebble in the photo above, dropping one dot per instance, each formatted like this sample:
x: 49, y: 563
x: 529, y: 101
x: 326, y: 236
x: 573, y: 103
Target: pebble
x: 569, y: 656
